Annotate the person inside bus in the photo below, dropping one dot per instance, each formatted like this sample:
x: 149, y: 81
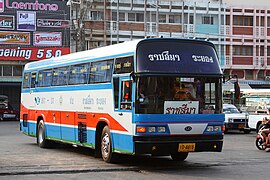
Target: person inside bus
x: 182, y: 93
x: 142, y: 97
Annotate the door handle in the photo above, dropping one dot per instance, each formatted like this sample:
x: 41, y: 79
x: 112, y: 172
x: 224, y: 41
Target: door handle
x: 121, y: 114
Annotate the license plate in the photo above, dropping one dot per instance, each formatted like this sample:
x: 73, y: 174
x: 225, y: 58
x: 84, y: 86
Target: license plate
x: 186, y: 147
x: 9, y: 115
x: 241, y: 125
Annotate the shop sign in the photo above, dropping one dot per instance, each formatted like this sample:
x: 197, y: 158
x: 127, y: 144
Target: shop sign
x: 6, y: 22
x: 30, y: 53
x: 52, y: 23
x: 11, y: 37
x: 26, y: 20
x: 47, y: 39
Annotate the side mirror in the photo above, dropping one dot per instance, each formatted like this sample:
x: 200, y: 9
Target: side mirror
x: 133, y: 76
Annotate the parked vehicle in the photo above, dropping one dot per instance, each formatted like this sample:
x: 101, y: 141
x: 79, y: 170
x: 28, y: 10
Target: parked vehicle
x: 256, y: 116
x: 234, y: 119
x: 6, y: 110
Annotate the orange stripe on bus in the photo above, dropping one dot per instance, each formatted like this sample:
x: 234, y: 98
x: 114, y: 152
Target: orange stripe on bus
x: 72, y: 118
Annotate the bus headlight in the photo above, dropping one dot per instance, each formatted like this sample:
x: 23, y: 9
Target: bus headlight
x: 213, y: 128
x: 151, y: 129
x: 162, y: 129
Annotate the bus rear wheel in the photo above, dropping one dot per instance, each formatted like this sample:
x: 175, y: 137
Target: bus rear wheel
x: 179, y: 156
x: 106, y: 146
x: 41, y: 138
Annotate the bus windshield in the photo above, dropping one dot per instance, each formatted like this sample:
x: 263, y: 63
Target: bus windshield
x: 177, y: 95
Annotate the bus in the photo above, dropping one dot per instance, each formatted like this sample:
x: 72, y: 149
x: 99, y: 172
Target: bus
x: 123, y: 98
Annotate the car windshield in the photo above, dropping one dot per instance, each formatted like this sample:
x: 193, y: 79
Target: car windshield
x: 230, y: 110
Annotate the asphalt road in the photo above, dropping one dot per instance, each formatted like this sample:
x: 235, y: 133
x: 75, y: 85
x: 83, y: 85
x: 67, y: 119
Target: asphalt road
x: 21, y: 158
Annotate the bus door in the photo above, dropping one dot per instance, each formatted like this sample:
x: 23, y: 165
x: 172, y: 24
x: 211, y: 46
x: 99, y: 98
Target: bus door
x: 32, y: 101
x: 123, y: 95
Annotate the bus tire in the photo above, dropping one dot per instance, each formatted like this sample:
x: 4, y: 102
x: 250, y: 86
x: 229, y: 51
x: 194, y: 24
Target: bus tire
x: 41, y: 138
x: 179, y: 156
x: 106, y: 146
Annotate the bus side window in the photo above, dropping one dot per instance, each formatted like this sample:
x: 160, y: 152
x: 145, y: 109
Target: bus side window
x: 33, y: 79
x: 26, y: 80
x: 126, y: 94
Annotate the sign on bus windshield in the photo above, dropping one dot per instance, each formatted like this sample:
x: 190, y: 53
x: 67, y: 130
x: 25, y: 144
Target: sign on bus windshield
x: 196, y: 57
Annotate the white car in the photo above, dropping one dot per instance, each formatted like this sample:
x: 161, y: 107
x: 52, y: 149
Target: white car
x: 234, y: 119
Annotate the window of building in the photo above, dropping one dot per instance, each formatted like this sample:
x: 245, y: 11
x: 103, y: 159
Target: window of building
x: 114, y: 16
x: 17, y: 70
x: 162, y: 18
x: 207, y: 20
x: 121, y: 16
x: 79, y: 74
x: 139, y: 17
x: 243, y: 20
x: 243, y: 50
x: 7, y: 70
x: 97, y: 15
x: 191, y: 19
x: 131, y: 16
x: 268, y: 50
x: 151, y: 17
x: 268, y: 21
x: 101, y: 72
x: 174, y: 18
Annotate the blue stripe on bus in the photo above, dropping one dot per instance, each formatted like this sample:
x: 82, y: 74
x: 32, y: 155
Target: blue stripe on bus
x: 178, y: 118
x: 69, y: 88
x: 121, y: 142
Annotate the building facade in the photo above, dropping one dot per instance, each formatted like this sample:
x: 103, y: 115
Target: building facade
x: 109, y: 22
x: 247, y: 42
x: 30, y: 30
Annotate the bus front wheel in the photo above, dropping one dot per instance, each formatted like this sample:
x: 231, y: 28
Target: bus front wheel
x: 41, y: 139
x: 179, y: 156
x: 106, y: 146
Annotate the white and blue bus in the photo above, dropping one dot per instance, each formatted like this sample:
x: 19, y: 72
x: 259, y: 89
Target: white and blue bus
x: 150, y: 96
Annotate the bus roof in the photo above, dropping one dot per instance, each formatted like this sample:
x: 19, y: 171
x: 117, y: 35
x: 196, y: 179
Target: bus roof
x: 116, y: 50
x: 127, y: 48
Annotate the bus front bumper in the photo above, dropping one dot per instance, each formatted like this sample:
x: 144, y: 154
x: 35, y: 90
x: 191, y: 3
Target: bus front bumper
x: 170, y: 145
